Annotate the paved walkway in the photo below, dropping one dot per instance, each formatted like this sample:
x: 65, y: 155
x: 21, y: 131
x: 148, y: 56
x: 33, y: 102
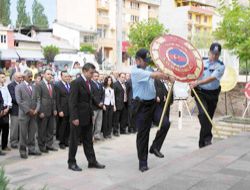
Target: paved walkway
x: 118, y: 154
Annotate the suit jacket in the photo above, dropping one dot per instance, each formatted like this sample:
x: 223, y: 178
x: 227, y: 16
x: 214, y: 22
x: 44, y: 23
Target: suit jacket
x: 48, y: 103
x: 129, y: 91
x: 80, y: 102
x: 1, y: 101
x: 162, y: 91
x: 26, y: 99
x: 62, y: 98
x: 97, y: 94
x: 119, y: 95
x: 14, y: 108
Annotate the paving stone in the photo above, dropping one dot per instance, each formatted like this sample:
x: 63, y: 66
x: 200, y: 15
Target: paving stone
x: 234, y: 172
x: 240, y: 165
x: 242, y: 185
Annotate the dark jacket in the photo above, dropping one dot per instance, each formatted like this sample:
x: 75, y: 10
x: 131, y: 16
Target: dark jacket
x: 62, y: 98
x: 80, y: 102
x: 97, y: 94
x: 119, y: 95
x: 14, y: 108
x: 161, y: 91
x: 129, y: 91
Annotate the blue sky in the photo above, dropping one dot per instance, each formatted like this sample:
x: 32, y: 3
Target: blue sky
x: 49, y: 6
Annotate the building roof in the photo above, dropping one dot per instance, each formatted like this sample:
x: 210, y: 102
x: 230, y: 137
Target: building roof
x: 75, y: 27
x: 152, y: 2
x: 21, y: 37
x: 4, y: 28
x: 47, y: 38
x: 8, y: 54
x: 30, y: 55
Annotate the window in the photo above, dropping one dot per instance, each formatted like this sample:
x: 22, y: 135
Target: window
x: 88, y: 39
x: 190, y: 28
x: 190, y: 16
x: 3, y: 39
x: 198, y: 18
x: 134, y: 18
x: 101, y: 32
x: 205, y: 19
x: 134, y: 5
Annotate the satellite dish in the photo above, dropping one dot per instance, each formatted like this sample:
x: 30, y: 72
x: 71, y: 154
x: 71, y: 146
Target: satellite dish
x: 229, y: 79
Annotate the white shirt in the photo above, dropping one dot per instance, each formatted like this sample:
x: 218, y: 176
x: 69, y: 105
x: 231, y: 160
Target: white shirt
x: 109, y: 98
x: 7, y: 100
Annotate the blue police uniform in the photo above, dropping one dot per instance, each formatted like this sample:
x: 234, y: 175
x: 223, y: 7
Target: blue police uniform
x: 144, y: 95
x: 208, y: 93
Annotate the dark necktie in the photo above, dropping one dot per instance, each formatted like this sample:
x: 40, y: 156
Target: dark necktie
x: 87, y: 84
x: 67, y: 87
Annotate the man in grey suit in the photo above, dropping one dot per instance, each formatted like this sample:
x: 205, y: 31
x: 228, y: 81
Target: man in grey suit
x: 29, y: 105
x: 47, y: 112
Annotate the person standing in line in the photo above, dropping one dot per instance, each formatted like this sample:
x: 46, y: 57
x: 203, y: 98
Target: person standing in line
x: 1, y: 115
x: 109, y: 107
x: 81, y: 115
x: 47, y: 112
x: 7, y: 104
x: 14, y: 125
x: 98, y: 96
x: 208, y: 89
x: 62, y: 102
x: 144, y: 95
x: 29, y: 105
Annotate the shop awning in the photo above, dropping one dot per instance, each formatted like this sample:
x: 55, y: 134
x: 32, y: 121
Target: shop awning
x: 8, y: 54
x: 30, y: 55
x: 125, y: 46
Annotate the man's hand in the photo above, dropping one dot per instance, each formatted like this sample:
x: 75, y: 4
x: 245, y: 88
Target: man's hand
x: 41, y: 115
x: 31, y: 112
x: 75, y: 122
x: 114, y: 109
x: 193, y: 84
x: 104, y: 108
x: 158, y: 99
x: 55, y: 113
x: 35, y: 112
x: 61, y: 114
x: 5, y: 111
x: 100, y: 105
x: 171, y: 79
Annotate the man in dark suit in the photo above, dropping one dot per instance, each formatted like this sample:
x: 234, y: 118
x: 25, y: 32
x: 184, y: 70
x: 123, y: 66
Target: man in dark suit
x: 1, y: 114
x: 161, y: 94
x: 47, y: 112
x: 62, y: 103
x: 14, y: 126
x: 29, y: 105
x: 121, y: 102
x: 81, y: 113
x: 98, y: 98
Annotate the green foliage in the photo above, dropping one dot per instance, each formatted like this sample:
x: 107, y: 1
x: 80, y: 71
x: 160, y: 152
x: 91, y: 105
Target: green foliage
x: 87, y: 48
x: 39, y: 19
x: 234, y: 29
x: 143, y: 33
x: 3, y: 180
x: 23, y: 19
x: 202, y: 40
x: 5, y: 12
x: 50, y: 52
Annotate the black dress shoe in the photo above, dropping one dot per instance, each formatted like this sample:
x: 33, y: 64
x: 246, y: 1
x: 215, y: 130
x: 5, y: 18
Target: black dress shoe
x: 207, y: 143
x: 2, y: 153
x: 23, y: 156
x: 156, y: 153
x: 124, y: 132
x: 14, y: 146
x: 96, y: 165
x: 62, y: 146
x: 75, y: 167
x: 51, y: 148
x: 143, y: 168
x: 35, y: 153
x: 116, y: 134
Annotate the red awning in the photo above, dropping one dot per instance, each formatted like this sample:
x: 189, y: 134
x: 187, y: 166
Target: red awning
x: 125, y: 45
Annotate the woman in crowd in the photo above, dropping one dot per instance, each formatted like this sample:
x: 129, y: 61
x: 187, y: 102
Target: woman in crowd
x: 109, y: 107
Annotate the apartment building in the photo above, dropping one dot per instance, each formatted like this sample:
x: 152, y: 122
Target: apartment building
x: 94, y: 22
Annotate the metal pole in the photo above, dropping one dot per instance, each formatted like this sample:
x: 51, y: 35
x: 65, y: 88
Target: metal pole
x: 119, y: 33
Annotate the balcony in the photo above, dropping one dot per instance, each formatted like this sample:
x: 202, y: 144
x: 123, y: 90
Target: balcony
x: 106, y: 42
x: 102, y: 20
x: 103, y: 5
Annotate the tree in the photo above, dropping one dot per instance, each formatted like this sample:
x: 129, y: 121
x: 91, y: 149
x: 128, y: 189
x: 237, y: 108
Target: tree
x: 23, y: 19
x: 202, y: 40
x: 234, y: 30
x: 5, y: 12
x: 50, y: 52
x: 87, y: 48
x: 143, y: 33
x: 39, y: 19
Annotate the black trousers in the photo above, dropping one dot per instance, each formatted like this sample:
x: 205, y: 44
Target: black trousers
x: 63, y: 130
x: 107, y: 120
x: 4, y: 128
x: 86, y: 136
x: 143, y: 121
x: 162, y: 132
x: 209, y: 99
x: 121, y: 119
x: 131, y: 119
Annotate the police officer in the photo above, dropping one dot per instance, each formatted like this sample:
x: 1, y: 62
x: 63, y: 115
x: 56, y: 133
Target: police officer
x: 208, y: 89
x: 144, y: 95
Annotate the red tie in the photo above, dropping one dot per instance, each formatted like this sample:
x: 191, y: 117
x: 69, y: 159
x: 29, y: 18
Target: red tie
x: 87, y: 83
x: 50, y: 90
